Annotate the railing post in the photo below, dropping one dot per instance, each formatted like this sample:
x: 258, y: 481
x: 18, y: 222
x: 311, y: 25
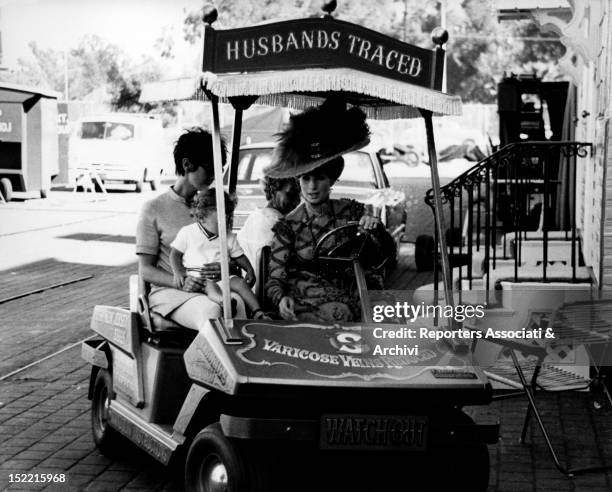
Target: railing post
x: 546, y: 219
x: 470, y: 229
x: 573, y: 204
x: 514, y: 191
x: 451, y: 246
x: 494, y: 214
x: 478, y: 201
x: 487, y: 229
x: 463, y: 227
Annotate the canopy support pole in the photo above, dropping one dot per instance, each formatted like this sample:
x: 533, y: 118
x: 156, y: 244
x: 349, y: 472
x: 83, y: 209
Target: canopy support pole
x: 440, y: 225
x: 235, y: 149
x: 221, y: 214
x: 435, y: 184
x: 240, y: 104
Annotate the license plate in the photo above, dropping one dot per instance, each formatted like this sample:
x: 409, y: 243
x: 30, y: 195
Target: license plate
x: 373, y: 432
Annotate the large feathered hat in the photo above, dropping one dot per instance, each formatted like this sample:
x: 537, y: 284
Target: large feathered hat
x: 316, y: 136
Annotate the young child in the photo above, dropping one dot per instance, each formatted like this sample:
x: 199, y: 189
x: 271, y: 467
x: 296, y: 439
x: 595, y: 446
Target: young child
x: 198, y: 244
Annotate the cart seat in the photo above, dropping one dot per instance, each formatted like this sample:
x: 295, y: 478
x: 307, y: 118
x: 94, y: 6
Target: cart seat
x: 156, y: 327
x: 263, y: 277
x: 161, y: 330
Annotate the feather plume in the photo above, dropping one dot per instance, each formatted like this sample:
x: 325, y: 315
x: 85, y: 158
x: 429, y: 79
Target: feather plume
x: 318, y: 134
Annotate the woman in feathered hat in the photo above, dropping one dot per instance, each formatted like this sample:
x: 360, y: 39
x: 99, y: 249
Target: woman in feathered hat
x: 311, y: 149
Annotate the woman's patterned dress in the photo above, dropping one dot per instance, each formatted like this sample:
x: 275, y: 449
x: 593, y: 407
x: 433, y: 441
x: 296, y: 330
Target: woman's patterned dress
x: 320, y: 295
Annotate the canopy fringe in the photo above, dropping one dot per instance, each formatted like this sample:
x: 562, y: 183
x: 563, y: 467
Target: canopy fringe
x: 284, y: 88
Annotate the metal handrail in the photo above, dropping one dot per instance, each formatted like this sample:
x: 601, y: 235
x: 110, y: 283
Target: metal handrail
x: 497, y: 198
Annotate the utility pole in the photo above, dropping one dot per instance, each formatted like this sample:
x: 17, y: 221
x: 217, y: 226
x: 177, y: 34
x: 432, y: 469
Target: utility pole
x: 66, y: 75
x: 2, y: 67
x: 405, y: 33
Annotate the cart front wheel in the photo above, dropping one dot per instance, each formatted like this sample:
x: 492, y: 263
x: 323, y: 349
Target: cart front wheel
x: 107, y: 439
x: 469, y: 468
x: 213, y: 464
x: 466, y: 465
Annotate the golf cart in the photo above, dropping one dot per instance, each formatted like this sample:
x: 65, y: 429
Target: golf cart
x: 252, y: 405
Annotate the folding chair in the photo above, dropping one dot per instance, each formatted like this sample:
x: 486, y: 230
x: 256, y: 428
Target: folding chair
x: 577, y: 323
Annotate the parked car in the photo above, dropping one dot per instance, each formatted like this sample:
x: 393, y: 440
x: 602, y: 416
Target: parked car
x: 363, y: 179
x: 414, y: 181
x: 119, y: 147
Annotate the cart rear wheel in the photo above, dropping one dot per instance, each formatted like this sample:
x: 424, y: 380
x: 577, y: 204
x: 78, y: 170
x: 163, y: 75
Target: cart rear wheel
x: 107, y: 439
x: 6, y: 188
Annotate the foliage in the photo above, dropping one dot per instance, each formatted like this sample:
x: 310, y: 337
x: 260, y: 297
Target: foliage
x: 480, y: 49
x: 93, y: 66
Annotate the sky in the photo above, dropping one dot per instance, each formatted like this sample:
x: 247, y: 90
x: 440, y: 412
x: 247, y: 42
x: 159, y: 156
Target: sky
x: 134, y: 25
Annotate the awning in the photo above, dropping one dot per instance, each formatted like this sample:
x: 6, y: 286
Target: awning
x: 18, y: 93
x: 181, y: 89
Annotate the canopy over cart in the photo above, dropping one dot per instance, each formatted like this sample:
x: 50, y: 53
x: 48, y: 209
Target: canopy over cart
x: 299, y: 63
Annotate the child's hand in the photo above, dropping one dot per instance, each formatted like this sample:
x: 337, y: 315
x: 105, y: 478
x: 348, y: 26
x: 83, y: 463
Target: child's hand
x: 249, y: 278
x: 179, y: 281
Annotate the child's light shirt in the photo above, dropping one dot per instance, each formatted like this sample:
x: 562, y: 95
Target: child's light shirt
x: 199, y: 249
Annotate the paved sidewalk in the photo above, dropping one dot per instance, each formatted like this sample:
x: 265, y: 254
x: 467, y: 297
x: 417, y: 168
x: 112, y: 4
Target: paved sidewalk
x: 45, y: 424
x: 44, y: 421
x: 39, y: 324
x: 44, y: 411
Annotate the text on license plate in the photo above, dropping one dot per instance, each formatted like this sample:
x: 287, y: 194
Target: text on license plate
x: 379, y: 432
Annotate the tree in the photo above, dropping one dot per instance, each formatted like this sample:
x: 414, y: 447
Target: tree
x: 96, y: 63
x: 93, y: 64
x: 480, y: 49
x: 44, y: 68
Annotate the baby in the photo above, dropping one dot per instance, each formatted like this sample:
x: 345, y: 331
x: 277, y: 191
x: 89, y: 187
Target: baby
x: 199, y: 243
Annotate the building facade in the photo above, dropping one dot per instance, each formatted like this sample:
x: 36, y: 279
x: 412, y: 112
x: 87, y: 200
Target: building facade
x: 585, y: 29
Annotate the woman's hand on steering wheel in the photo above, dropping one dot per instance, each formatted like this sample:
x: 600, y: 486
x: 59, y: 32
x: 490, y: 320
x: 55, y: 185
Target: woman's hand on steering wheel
x: 286, y: 308
x: 369, y: 222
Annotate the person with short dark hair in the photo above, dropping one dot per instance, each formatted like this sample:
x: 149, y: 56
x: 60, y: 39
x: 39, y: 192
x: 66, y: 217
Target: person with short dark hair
x: 196, y: 146
x: 158, y: 224
x: 198, y: 244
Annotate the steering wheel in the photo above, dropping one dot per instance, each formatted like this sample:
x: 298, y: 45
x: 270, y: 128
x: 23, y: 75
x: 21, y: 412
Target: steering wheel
x: 349, y: 242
